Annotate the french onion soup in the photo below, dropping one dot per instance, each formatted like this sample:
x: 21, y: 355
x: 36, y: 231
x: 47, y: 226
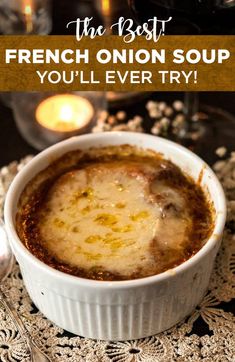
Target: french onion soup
x: 113, y: 213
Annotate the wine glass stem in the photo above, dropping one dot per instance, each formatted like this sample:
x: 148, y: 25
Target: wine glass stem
x: 191, y: 105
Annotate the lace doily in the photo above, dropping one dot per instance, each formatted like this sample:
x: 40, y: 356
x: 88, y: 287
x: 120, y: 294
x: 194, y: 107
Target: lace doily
x: 207, y: 335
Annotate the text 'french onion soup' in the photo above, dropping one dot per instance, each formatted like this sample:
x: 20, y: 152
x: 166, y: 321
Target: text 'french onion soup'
x: 114, y: 213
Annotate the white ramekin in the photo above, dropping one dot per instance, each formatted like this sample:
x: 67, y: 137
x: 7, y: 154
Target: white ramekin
x: 126, y: 309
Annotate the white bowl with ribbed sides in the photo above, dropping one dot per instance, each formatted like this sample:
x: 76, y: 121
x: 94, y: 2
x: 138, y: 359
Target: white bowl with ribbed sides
x: 126, y: 309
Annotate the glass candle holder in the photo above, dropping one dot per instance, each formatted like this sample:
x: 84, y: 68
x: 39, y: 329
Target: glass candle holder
x: 25, y: 17
x: 44, y: 119
x: 18, y: 17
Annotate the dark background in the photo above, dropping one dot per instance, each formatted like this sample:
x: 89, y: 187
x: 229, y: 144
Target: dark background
x: 13, y: 146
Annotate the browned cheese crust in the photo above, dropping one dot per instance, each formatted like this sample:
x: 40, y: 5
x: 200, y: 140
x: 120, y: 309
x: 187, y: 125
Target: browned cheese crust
x: 163, y: 189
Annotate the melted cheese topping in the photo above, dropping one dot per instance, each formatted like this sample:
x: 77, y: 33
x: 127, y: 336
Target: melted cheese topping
x: 110, y: 216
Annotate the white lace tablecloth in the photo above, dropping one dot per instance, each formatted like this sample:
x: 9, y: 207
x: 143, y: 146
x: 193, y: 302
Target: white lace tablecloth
x: 207, y: 335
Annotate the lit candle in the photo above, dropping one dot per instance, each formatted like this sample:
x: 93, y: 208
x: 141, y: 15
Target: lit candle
x: 28, y: 13
x: 25, y: 17
x: 106, y: 9
x: 65, y: 114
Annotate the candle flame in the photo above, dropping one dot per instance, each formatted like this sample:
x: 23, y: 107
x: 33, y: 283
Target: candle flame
x: 66, y: 113
x: 28, y: 10
x: 106, y: 7
x: 28, y: 13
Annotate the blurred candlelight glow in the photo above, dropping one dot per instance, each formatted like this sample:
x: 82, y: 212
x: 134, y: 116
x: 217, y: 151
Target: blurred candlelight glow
x: 106, y: 9
x: 28, y: 18
x: 64, y: 113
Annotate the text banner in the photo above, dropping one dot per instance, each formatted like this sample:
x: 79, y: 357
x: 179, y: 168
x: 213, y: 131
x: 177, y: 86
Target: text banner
x: 60, y: 63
